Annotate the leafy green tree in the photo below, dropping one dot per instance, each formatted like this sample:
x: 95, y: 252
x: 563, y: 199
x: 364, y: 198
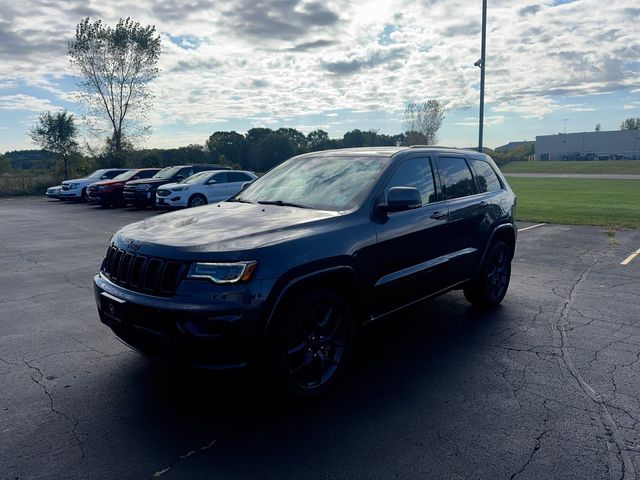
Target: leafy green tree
x: 630, y: 124
x: 5, y: 164
x: 56, y: 132
x: 422, y: 122
x: 317, y: 140
x: 230, y: 144
x: 116, y: 65
x: 274, y: 149
x: 353, y: 138
x: 254, y: 136
x: 296, y: 138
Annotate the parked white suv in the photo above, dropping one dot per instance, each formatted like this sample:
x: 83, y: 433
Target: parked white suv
x: 76, y: 189
x: 204, y: 187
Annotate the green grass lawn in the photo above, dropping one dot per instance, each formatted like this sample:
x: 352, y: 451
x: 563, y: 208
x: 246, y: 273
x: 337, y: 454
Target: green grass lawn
x: 611, y: 166
x: 612, y: 203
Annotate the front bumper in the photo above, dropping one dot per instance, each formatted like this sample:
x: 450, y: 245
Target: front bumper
x: 140, y: 197
x: 208, y: 334
x: 176, y: 199
x: 73, y: 194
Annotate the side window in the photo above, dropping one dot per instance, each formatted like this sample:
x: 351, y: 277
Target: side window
x: 416, y: 173
x: 486, y: 178
x: 455, y: 177
x: 147, y: 174
x: 113, y: 173
x: 220, y: 178
x: 186, y: 172
x: 238, y: 177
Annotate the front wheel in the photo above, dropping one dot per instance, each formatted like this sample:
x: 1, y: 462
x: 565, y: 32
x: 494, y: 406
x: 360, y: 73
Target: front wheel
x: 314, y: 343
x: 490, y: 287
x: 197, y: 200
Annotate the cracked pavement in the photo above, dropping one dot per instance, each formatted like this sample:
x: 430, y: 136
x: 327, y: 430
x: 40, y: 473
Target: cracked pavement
x: 546, y: 386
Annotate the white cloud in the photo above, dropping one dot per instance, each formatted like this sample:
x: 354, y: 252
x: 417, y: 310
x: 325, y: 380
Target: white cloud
x: 21, y: 101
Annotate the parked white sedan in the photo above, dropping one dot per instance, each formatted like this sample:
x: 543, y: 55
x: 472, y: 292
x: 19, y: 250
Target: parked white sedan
x: 204, y: 187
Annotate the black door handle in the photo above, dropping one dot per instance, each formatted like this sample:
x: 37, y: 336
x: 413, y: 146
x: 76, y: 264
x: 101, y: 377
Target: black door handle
x: 483, y: 203
x: 438, y: 215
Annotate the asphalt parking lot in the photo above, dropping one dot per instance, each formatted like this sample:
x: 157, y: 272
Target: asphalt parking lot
x: 546, y: 386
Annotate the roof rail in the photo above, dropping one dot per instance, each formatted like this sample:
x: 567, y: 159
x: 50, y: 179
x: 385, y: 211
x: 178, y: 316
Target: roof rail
x: 439, y: 146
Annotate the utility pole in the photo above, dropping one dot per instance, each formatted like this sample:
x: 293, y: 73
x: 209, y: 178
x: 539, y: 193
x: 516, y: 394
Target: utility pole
x: 481, y: 63
x: 565, y: 124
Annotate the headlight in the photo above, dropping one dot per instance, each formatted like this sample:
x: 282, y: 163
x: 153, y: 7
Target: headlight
x: 144, y: 186
x: 73, y: 186
x: 101, y: 187
x: 179, y: 189
x: 224, y: 272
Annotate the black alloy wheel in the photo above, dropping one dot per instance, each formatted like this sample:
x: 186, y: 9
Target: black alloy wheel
x: 489, y: 289
x: 317, y: 343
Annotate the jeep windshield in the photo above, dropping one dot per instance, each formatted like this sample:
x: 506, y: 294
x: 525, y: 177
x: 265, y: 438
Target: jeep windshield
x: 322, y: 182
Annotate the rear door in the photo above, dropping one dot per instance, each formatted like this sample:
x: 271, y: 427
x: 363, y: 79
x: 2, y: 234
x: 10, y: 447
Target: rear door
x: 411, y: 245
x: 467, y: 209
x: 217, y: 187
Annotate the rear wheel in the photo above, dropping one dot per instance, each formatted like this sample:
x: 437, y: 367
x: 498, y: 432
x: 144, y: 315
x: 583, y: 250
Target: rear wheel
x: 313, y: 344
x: 490, y: 287
x: 197, y: 200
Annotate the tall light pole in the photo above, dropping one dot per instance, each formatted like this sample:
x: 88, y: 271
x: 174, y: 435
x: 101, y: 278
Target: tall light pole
x: 481, y: 63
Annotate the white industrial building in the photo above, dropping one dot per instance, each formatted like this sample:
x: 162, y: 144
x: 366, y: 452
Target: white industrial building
x: 612, y: 145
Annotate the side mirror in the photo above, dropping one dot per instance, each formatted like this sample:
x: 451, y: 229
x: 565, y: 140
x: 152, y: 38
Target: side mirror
x: 211, y: 182
x: 245, y: 185
x: 400, y: 199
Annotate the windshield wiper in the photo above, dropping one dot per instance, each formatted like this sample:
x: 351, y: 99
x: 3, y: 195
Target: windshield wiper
x: 242, y: 200
x: 280, y: 203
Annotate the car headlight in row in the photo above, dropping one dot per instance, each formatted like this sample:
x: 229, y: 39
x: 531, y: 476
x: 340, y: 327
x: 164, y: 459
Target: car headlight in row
x: 179, y: 189
x: 143, y: 187
x: 235, y: 272
x: 73, y: 186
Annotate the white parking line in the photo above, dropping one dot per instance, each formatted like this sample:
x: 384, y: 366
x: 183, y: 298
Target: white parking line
x: 532, y: 226
x: 628, y: 260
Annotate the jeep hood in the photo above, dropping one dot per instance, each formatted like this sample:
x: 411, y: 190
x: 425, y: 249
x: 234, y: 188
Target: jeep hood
x: 223, y: 227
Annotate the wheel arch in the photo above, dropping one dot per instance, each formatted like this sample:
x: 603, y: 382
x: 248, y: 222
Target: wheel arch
x: 507, y: 233
x: 341, y: 279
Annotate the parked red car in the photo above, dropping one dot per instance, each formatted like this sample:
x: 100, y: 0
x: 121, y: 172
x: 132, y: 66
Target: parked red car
x: 109, y: 192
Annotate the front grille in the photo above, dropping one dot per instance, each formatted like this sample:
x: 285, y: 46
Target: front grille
x: 150, y: 275
x: 92, y: 191
x: 130, y: 188
x: 65, y: 187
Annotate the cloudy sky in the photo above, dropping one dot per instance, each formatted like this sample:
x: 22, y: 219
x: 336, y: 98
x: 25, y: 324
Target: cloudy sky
x: 340, y: 65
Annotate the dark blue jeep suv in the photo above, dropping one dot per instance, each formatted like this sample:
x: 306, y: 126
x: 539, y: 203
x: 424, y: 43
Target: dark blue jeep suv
x: 286, y: 272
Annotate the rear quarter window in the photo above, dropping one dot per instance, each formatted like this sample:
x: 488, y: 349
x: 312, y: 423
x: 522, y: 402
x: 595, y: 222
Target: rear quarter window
x: 486, y: 177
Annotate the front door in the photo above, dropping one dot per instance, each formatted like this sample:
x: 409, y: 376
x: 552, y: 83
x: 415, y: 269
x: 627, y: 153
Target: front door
x: 411, y: 245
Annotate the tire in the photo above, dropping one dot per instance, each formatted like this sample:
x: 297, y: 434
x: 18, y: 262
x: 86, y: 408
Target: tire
x: 313, y: 344
x: 491, y: 285
x: 197, y: 200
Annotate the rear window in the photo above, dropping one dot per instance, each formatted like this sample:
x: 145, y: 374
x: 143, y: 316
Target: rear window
x: 455, y: 177
x: 486, y: 178
x: 238, y: 177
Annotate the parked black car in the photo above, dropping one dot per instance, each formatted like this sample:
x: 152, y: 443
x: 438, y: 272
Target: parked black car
x: 142, y: 193
x: 287, y: 271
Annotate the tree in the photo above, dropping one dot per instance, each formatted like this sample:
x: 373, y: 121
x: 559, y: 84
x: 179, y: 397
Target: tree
x: 317, y: 140
x: 598, y: 127
x: 422, y: 122
x: 274, y: 149
x: 116, y: 65
x: 56, y: 132
x: 296, y: 138
x: 630, y: 124
x: 353, y: 138
x: 5, y: 164
x: 230, y: 144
